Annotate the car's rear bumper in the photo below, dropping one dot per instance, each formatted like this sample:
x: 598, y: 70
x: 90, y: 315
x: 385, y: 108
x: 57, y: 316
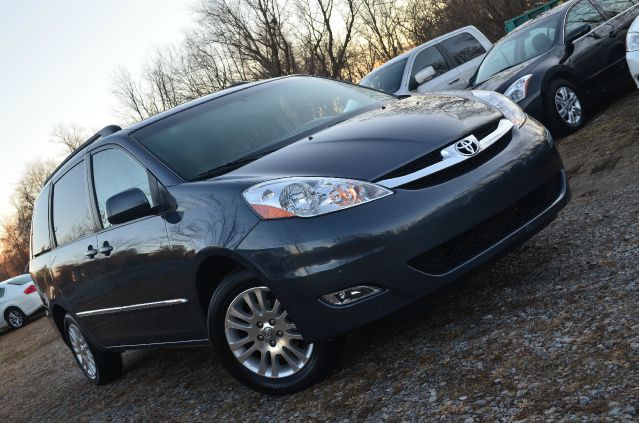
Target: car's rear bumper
x: 411, y: 243
x: 633, y: 65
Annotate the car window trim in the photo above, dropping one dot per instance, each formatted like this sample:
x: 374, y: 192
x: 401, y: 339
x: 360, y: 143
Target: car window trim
x: 84, y: 157
x: 616, y: 14
x: 49, y: 187
x: 154, y: 187
x: 601, y: 12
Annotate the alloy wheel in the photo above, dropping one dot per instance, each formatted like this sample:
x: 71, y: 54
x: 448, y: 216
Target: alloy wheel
x: 568, y: 105
x: 261, y: 336
x: 15, y: 319
x: 82, y: 351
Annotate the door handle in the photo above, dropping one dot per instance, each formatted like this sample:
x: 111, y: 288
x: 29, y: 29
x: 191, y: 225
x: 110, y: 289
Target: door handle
x: 106, y: 248
x: 451, y: 82
x: 91, y: 252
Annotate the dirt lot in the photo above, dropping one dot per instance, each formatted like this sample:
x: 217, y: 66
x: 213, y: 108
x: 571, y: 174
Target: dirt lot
x: 548, y: 333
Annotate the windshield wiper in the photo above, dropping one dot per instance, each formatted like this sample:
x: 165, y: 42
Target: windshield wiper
x: 227, y: 167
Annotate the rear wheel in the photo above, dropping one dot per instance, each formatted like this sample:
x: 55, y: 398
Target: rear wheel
x: 15, y: 317
x: 257, y: 341
x: 100, y: 367
x: 566, y: 106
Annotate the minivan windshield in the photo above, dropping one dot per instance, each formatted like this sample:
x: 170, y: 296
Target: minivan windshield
x: 224, y: 133
x: 520, y: 46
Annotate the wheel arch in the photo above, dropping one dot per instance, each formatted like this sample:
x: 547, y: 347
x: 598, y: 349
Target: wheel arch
x: 211, y: 267
x: 57, y: 315
x: 560, y: 72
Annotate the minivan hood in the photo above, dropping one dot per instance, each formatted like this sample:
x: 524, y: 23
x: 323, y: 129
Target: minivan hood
x: 378, y: 141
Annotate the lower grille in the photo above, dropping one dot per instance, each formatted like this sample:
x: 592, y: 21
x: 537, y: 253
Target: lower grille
x: 473, y: 242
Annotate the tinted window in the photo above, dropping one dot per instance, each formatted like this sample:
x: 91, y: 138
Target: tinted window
x: 1, y: 292
x: 71, y: 215
x: 521, y: 45
x: 463, y: 48
x: 539, y: 41
x: 115, y: 171
x: 425, y: 58
x: 213, y: 137
x: 614, y: 7
x: 583, y: 13
x: 20, y: 280
x: 40, y: 224
x: 387, y: 78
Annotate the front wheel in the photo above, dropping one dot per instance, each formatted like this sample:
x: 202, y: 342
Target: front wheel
x: 566, y: 106
x: 100, y: 367
x: 257, y: 341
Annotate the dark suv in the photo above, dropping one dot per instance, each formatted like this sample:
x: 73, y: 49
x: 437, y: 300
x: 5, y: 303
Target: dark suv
x: 270, y: 218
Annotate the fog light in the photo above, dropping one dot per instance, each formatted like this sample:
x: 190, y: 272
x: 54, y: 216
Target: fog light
x: 351, y: 295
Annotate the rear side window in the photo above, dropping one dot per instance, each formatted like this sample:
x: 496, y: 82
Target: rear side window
x: 387, y: 78
x: 614, y: 7
x: 114, y: 171
x: 463, y: 48
x: 1, y: 292
x: 71, y: 214
x: 583, y: 13
x: 20, y: 280
x: 40, y: 240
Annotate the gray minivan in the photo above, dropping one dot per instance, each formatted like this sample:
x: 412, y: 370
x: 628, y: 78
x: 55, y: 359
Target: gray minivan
x: 445, y: 63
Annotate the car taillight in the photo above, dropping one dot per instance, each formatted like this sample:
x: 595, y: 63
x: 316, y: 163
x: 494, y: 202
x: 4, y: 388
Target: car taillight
x: 30, y: 289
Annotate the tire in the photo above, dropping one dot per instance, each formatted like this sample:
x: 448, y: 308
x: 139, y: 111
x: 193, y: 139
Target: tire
x: 15, y: 317
x: 99, y: 367
x: 566, y: 106
x: 271, y: 367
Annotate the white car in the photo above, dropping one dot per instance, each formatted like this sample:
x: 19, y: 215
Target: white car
x: 445, y: 63
x: 632, y: 48
x: 19, y: 299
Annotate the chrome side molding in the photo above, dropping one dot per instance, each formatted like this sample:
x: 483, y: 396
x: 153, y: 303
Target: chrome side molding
x: 134, y: 307
x: 460, y: 151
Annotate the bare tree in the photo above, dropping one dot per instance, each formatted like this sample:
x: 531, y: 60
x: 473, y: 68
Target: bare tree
x: 327, y: 32
x: 254, y: 33
x: 69, y: 136
x: 235, y: 40
x: 384, y: 26
x: 16, y: 229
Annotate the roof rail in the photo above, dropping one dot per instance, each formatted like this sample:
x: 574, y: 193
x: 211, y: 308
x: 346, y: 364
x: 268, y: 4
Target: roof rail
x: 104, y: 132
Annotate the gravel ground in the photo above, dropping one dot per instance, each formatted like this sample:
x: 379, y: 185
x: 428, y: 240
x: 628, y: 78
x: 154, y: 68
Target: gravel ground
x: 549, y: 332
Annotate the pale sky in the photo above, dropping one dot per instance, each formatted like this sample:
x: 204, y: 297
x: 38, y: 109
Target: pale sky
x: 57, y: 60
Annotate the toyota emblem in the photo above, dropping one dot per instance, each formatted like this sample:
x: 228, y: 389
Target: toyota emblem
x: 467, y: 147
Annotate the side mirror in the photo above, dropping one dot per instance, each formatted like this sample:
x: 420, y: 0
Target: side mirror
x: 126, y: 206
x: 425, y: 74
x: 577, y: 33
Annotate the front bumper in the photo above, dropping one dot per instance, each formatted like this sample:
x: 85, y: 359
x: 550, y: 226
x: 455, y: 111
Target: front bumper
x: 633, y: 65
x: 533, y: 105
x: 380, y: 243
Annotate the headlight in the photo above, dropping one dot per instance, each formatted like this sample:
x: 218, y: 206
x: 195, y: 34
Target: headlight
x: 519, y: 89
x: 632, y: 41
x: 507, y: 107
x: 309, y: 197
